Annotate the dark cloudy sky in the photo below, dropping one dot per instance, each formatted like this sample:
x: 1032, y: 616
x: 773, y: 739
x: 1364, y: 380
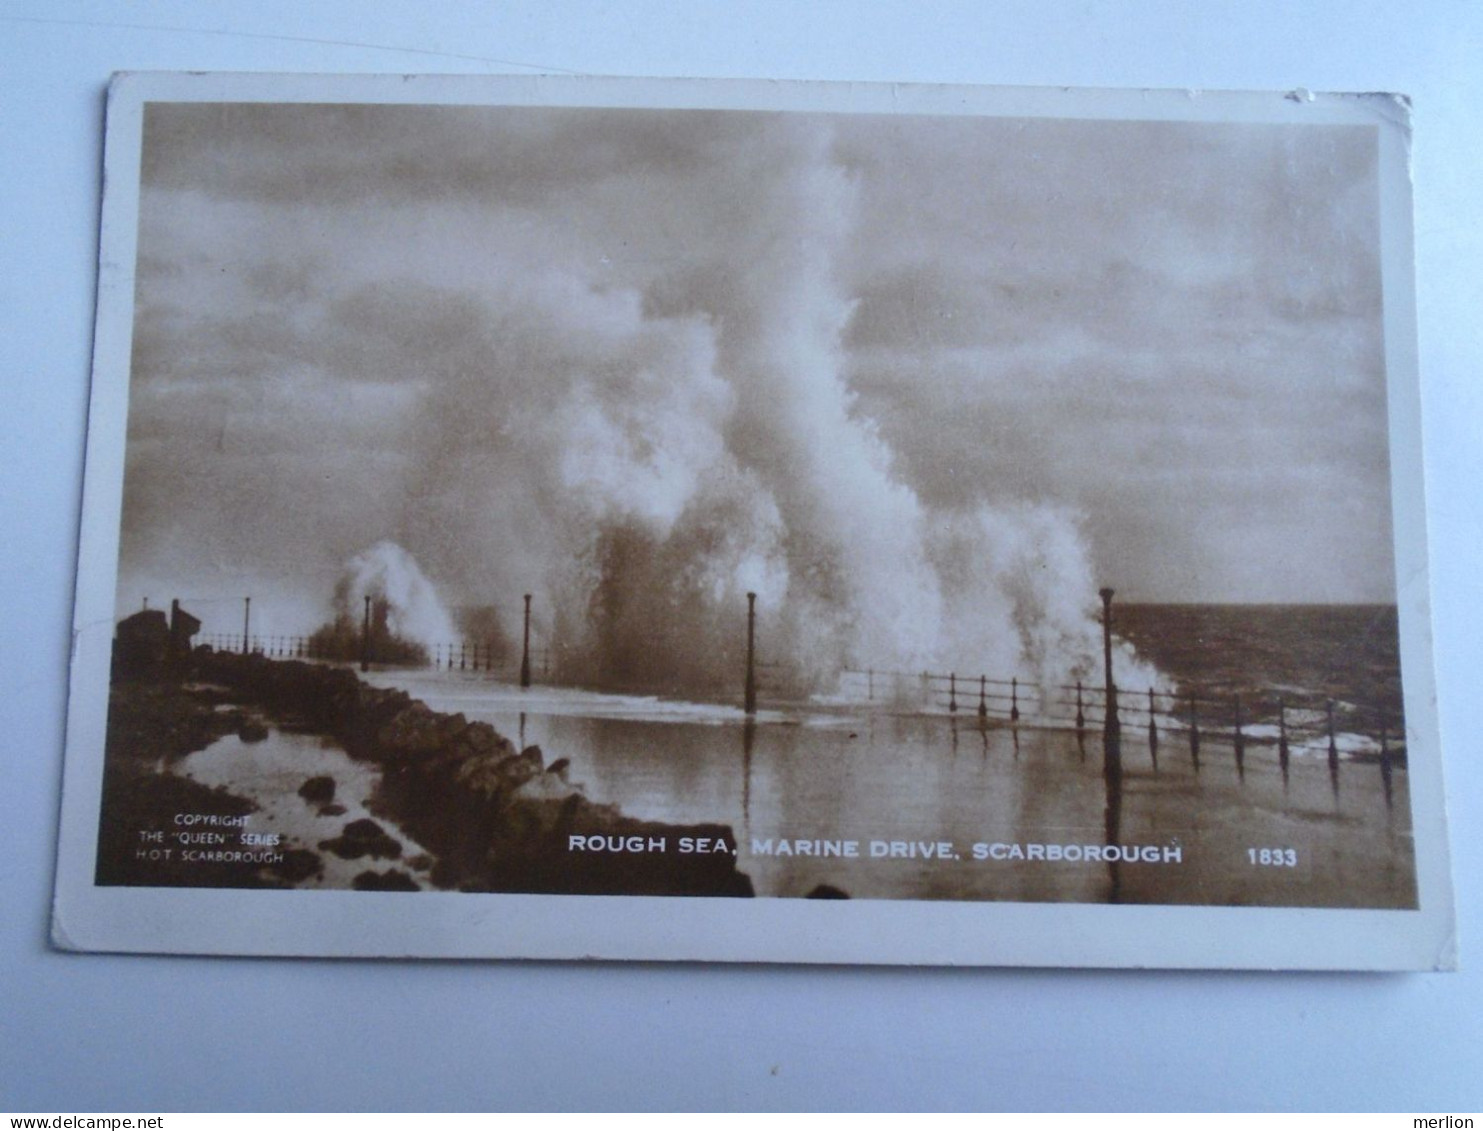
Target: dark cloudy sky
x: 440, y: 326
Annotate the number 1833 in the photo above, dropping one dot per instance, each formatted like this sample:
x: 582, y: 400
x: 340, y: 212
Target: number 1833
x: 1273, y: 857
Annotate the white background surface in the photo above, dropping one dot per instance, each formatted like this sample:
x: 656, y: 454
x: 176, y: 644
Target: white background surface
x: 147, y: 1034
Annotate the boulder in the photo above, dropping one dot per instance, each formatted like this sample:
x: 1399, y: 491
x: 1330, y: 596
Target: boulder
x: 827, y: 891
x: 319, y: 790
x: 252, y: 730
x: 363, y: 838
x: 393, y: 879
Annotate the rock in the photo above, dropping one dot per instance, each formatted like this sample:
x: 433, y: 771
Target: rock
x: 318, y: 790
x: 520, y: 768
x: 252, y: 730
x: 298, y: 865
x: 497, y: 773
x: 480, y: 775
x: 363, y: 838
x: 446, y: 874
x: 393, y: 879
x: 827, y: 891
x: 414, y: 732
x: 547, y: 787
x: 451, y: 728
x: 481, y: 738
x: 493, y: 819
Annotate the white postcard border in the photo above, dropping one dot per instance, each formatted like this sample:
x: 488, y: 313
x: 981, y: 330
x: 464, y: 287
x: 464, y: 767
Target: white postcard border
x: 461, y: 925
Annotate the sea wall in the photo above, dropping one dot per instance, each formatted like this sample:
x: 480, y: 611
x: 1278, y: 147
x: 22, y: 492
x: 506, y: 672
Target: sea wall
x: 497, y: 818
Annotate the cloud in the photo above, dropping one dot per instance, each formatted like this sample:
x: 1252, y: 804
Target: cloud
x: 638, y: 361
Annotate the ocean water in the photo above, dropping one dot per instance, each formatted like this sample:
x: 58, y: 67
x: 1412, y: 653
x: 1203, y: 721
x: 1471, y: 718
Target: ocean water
x: 895, y: 799
x: 270, y: 772
x: 1303, y: 655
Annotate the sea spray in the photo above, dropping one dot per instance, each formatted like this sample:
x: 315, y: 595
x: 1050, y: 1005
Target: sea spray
x: 405, y: 604
x: 860, y: 581
x: 639, y: 458
x: 1021, y: 599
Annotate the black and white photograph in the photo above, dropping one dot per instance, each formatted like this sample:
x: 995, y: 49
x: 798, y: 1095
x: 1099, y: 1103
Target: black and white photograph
x: 729, y: 501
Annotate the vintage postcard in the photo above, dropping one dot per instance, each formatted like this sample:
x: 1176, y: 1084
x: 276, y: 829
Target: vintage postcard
x: 754, y: 522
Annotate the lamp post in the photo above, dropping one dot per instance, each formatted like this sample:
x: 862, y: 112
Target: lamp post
x: 365, y: 638
x: 750, y: 695
x: 1111, y: 728
x: 525, y: 648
